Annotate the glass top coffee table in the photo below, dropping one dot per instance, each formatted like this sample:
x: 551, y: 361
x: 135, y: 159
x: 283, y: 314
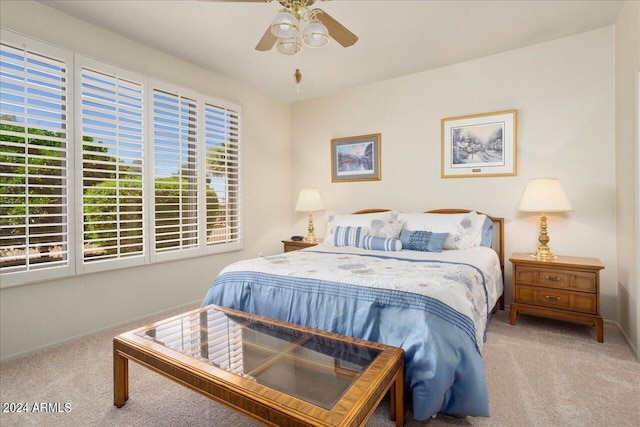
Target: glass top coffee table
x: 279, y: 373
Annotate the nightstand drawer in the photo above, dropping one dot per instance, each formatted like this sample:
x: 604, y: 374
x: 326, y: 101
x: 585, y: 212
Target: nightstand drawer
x: 558, y: 279
x: 574, y: 301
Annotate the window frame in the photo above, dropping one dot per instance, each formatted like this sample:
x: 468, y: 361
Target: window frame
x: 82, y: 267
x: 173, y: 254
x: 26, y: 44
x: 202, y: 248
x: 236, y: 244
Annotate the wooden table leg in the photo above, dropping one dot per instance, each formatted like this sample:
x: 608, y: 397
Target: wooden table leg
x: 120, y: 379
x: 397, y: 399
x: 513, y: 313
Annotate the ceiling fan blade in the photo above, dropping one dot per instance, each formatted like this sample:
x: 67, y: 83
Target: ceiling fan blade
x: 267, y: 41
x: 336, y: 30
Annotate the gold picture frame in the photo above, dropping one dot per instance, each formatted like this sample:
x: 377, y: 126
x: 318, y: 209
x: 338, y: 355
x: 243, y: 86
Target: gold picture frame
x: 480, y: 145
x: 356, y: 158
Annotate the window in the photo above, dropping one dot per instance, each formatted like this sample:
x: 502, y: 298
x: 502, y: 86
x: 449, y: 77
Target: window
x: 222, y: 134
x: 34, y: 162
x: 145, y: 171
x: 176, y: 164
x: 111, y: 158
x: 196, y: 173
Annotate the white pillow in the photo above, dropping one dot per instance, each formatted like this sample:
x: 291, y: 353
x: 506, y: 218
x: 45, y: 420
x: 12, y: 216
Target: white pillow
x: 465, y: 229
x: 438, y: 223
x: 354, y: 220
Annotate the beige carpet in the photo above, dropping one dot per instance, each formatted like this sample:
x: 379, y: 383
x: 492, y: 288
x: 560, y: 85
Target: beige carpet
x: 540, y: 372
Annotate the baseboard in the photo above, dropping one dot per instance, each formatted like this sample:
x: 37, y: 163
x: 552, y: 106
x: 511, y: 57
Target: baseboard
x: 95, y: 331
x: 633, y: 348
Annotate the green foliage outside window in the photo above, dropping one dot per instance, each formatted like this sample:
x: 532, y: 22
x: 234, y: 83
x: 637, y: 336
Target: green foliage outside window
x: 43, y: 183
x: 46, y: 184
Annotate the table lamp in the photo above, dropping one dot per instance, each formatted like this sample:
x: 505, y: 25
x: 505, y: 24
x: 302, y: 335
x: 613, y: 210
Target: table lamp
x: 544, y: 195
x: 309, y: 200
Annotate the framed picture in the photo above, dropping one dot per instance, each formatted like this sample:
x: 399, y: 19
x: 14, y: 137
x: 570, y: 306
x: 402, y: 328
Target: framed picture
x: 356, y: 158
x: 479, y: 145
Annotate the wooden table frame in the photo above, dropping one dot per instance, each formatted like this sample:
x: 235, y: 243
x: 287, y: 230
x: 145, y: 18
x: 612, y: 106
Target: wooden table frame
x: 272, y: 407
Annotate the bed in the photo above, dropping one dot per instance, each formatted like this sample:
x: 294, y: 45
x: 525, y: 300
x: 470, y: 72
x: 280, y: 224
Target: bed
x: 433, y: 299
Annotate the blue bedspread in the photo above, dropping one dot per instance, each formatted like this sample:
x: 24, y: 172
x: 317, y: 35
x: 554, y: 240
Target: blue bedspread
x: 405, y: 303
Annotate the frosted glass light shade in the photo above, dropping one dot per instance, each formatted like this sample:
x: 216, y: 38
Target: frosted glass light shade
x: 544, y: 195
x: 315, y: 35
x: 309, y: 200
x: 285, y: 25
x: 289, y: 46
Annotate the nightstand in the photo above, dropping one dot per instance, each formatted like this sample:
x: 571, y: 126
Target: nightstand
x: 296, y: 245
x: 565, y: 287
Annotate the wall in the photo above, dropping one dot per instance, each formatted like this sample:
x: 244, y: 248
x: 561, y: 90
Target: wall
x: 37, y: 315
x: 627, y: 61
x: 564, y: 93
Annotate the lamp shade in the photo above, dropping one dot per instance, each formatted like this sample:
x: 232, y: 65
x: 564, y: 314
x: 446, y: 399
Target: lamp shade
x: 289, y: 46
x: 285, y: 25
x: 544, y: 195
x: 315, y: 35
x: 309, y: 200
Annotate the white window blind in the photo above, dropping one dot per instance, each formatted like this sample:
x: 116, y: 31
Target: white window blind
x: 34, y: 162
x: 112, y: 129
x: 145, y: 171
x: 222, y: 137
x: 176, y: 170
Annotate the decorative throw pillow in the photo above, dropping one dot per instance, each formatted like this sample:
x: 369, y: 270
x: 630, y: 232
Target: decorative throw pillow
x: 468, y: 232
x: 354, y: 220
x: 348, y: 236
x: 425, y: 241
x: 380, y: 243
x: 389, y: 229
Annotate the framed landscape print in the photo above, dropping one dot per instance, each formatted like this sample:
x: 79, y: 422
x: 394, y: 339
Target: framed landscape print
x: 479, y: 145
x: 356, y: 158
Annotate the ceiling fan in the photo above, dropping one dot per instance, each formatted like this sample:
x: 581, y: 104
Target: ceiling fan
x: 284, y: 31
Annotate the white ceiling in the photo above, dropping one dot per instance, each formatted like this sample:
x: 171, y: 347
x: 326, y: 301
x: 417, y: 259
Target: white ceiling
x: 396, y: 38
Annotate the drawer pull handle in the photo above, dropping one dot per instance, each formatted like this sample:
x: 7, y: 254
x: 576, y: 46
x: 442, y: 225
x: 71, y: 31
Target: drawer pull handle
x: 552, y: 278
x: 552, y: 298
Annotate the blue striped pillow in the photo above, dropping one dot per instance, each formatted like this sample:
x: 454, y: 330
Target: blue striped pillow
x: 377, y: 243
x: 348, y: 236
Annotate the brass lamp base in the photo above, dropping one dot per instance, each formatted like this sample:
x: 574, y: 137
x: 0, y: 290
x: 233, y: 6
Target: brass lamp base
x: 544, y: 252
x: 311, y: 237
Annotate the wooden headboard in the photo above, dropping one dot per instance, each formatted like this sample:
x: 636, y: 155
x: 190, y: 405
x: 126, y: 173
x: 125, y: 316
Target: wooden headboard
x: 498, y: 238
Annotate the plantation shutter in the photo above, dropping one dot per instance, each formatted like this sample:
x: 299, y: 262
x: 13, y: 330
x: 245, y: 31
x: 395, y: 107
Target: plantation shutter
x: 176, y: 171
x: 34, y: 162
x: 112, y: 129
x: 103, y: 168
x: 222, y: 147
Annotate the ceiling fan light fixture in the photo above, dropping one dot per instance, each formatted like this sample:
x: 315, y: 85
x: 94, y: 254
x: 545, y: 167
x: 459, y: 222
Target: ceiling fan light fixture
x: 290, y: 46
x: 285, y: 25
x: 315, y: 35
